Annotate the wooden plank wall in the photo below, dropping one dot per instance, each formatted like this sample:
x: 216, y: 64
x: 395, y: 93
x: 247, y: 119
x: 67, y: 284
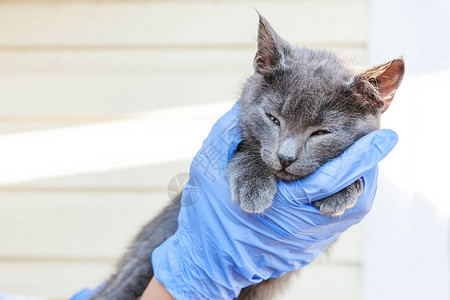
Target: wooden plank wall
x: 66, y: 63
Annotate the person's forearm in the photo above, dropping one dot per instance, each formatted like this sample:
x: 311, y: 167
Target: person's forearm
x: 156, y: 291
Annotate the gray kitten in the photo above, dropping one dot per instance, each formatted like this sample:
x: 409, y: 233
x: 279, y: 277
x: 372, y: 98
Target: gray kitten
x: 300, y: 109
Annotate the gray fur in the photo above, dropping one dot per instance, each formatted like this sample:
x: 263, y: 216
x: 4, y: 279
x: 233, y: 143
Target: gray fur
x: 300, y: 109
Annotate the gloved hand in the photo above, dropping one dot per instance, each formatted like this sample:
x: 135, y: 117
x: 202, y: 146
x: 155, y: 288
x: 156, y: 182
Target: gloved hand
x: 219, y: 249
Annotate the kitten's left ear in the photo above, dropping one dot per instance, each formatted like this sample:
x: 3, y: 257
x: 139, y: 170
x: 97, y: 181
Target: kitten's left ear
x: 386, y: 79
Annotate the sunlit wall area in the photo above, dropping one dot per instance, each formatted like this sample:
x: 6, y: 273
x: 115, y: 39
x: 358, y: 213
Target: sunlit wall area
x: 103, y: 102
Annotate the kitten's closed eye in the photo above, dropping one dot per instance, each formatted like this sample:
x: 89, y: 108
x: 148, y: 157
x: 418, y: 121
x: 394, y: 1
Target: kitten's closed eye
x: 319, y: 132
x: 273, y: 119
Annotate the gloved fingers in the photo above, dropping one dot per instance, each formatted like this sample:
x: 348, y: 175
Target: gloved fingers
x: 300, y: 220
x: 352, y: 215
x: 339, y: 173
x: 225, y: 131
x: 219, y: 146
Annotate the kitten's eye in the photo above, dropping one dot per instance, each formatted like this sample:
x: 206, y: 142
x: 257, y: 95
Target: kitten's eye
x: 273, y: 119
x: 320, y: 132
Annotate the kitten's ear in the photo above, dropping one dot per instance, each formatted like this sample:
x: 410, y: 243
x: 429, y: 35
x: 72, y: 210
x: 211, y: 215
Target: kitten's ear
x: 270, y: 47
x: 386, y: 79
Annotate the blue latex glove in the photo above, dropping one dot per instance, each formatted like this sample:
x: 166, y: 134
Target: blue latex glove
x: 219, y: 249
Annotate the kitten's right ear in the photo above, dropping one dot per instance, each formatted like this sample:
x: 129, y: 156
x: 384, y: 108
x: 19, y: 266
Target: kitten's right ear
x: 270, y: 50
x: 385, y: 79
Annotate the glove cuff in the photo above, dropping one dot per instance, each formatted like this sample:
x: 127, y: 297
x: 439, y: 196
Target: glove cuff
x: 182, y: 275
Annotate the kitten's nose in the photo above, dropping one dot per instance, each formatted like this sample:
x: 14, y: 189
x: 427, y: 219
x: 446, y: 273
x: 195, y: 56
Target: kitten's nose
x: 285, y: 160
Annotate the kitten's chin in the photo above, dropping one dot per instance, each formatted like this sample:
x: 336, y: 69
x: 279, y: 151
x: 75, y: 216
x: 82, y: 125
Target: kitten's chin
x: 286, y: 176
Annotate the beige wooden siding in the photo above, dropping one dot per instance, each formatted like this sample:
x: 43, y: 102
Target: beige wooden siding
x: 69, y: 63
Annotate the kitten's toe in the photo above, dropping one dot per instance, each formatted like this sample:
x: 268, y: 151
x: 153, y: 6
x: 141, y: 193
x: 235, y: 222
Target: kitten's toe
x: 336, y: 204
x: 359, y: 186
x: 331, y: 205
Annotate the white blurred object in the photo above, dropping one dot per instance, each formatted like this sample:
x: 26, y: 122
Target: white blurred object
x: 407, y: 234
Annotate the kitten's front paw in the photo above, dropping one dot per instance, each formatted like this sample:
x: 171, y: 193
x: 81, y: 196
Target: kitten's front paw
x: 258, y: 200
x: 252, y: 184
x: 345, y: 199
x: 253, y: 194
x: 253, y: 197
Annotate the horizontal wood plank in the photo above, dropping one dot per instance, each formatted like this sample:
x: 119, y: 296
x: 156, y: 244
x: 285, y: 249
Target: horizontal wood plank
x: 110, y: 83
x: 148, y: 178
x: 51, y: 279
x: 80, y: 225
x: 17, y: 124
x: 70, y: 94
x: 179, y: 22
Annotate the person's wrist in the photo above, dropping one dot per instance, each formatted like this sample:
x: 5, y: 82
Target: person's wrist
x: 156, y: 291
x: 184, y: 275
